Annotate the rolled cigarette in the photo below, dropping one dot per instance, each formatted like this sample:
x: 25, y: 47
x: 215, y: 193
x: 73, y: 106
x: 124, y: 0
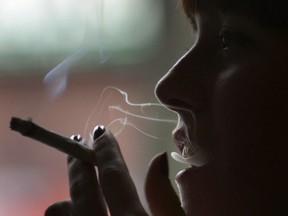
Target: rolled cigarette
x: 71, y: 147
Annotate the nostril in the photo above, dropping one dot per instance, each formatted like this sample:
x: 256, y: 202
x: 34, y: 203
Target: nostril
x: 179, y: 105
x: 167, y: 94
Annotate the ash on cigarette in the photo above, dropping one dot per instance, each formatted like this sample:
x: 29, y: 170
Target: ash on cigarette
x: 25, y: 127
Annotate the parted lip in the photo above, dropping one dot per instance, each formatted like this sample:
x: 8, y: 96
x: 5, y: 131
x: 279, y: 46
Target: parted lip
x: 178, y: 139
x: 183, y: 143
x: 183, y: 135
x: 185, y: 140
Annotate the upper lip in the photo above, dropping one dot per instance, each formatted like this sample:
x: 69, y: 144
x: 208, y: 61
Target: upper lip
x: 184, y: 131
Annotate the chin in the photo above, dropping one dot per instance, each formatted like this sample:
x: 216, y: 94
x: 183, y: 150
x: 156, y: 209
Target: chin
x: 201, y: 191
x: 204, y: 191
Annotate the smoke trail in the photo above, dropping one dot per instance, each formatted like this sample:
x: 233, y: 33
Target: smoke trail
x: 134, y: 115
x: 56, y: 79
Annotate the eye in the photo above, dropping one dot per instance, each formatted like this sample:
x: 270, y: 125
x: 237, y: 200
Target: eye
x: 230, y: 38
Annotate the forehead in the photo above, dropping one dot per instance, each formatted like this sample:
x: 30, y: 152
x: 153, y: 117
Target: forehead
x: 272, y: 14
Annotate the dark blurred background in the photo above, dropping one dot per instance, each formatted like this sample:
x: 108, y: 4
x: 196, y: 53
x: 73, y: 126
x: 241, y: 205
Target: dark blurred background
x: 84, y: 46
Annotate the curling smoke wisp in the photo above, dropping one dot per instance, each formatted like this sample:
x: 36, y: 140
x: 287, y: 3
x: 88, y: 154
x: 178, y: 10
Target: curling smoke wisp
x: 56, y: 79
x: 143, y: 117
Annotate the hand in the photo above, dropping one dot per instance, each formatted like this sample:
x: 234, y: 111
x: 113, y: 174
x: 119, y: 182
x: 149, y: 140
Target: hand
x: 116, y: 188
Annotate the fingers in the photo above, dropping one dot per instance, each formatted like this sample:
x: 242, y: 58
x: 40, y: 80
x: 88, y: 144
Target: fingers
x: 85, y: 192
x: 117, y: 186
x: 161, y: 197
x: 62, y: 208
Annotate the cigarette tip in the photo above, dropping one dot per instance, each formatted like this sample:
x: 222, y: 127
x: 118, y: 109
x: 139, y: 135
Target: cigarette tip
x: 14, y: 122
x: 22, y: 126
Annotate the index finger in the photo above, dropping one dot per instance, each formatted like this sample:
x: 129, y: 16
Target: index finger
x: 85, y: 192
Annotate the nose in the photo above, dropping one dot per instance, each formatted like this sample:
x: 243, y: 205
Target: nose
x: 186, y: 83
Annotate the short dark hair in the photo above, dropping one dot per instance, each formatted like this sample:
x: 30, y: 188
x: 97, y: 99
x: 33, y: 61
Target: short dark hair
x: 272, y: 13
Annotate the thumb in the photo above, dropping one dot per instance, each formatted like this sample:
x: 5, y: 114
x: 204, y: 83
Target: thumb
x: 161, y: 197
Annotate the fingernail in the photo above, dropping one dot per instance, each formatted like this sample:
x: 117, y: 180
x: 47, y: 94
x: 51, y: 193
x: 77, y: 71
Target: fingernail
x: 164, y: 164
x: 77, y: 138
x: 98, y: 131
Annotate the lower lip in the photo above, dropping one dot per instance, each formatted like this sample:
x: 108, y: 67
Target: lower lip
x: 183, y: 175
x: 195, y: 174
x: 192, y: 185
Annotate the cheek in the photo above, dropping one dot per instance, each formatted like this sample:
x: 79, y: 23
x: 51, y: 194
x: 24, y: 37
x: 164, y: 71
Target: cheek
x: 237, y: 102
x: 250, y: 106
x: 250, y: 111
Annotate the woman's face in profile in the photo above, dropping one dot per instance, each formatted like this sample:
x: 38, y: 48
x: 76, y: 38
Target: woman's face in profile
x: 231, y: 93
